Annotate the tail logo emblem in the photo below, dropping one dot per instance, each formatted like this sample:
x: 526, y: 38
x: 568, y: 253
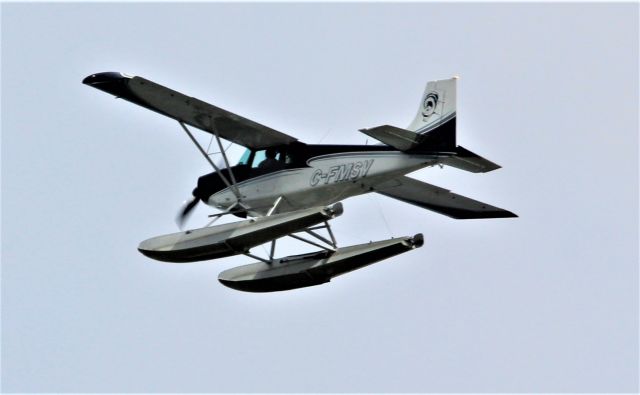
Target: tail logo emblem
x: 429, y: 104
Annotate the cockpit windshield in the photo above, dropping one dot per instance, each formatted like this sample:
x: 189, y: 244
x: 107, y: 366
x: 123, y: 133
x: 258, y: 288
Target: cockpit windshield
x: 244, y: 160
x: 232, y: 151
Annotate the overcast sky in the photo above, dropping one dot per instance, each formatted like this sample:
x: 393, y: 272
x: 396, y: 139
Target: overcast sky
x: 544, y: 302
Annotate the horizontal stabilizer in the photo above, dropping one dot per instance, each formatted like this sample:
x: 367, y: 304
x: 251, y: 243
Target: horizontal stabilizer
x: 441, y: 139
x: 438, y: 199
x: 434, y: 127
x: 234, y: 238
x: 400, y: 139
x: 468, y: 161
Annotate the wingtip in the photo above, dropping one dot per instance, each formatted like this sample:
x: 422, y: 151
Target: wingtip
x: 490, y: 214
x: 509, y: 214
x: 105, y: 77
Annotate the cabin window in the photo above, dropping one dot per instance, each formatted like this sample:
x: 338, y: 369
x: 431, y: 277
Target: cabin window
x: 268, y: 159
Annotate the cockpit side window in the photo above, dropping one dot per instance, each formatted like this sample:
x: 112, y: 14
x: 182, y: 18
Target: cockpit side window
x: 258, y: 158
x: 269, y: 159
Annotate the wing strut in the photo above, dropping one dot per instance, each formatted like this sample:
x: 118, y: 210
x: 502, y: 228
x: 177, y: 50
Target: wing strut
x: 226, y: 160
x: 202, y: 151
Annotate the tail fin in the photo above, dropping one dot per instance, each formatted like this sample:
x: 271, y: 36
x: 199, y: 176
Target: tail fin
x: 435, y: 122
x: 433, y: 128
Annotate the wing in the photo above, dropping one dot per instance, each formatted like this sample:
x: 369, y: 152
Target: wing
x: 438, y: 199
x: 189, y: 110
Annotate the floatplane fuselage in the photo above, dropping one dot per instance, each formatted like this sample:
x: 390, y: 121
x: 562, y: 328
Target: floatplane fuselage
x: 309, y: 176
x: 290, y: 188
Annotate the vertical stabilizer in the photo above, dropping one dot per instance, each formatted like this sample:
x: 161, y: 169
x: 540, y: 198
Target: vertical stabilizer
x: 434, y: 126
x: 437, y: 106
x: 435, y: 121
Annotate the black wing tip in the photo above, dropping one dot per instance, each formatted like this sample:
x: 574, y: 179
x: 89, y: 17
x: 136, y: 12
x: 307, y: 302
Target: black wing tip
x: 488, y: 215
x: 507, y: 214
x: 104, y: 77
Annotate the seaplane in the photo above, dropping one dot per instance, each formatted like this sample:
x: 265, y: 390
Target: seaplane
x: 282, y: 187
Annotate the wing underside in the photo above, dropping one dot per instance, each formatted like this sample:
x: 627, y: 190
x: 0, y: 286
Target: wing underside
x: 189, y: 110
x: 438, y: 199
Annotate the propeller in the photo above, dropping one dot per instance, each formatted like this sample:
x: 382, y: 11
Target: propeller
x: 185, y: 211
x: 207, y: 185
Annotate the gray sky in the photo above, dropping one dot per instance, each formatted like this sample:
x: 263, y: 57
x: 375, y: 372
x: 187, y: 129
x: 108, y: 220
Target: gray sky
x: 545, y: 302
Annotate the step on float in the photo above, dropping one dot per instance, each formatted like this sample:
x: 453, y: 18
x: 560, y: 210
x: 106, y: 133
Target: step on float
x: 306, y: 270
x: 234, y: 238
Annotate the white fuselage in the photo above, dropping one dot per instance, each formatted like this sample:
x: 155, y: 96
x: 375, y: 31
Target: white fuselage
x: 329, y: 179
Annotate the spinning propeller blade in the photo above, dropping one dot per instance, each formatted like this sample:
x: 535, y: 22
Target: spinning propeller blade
x: 185, y: 211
